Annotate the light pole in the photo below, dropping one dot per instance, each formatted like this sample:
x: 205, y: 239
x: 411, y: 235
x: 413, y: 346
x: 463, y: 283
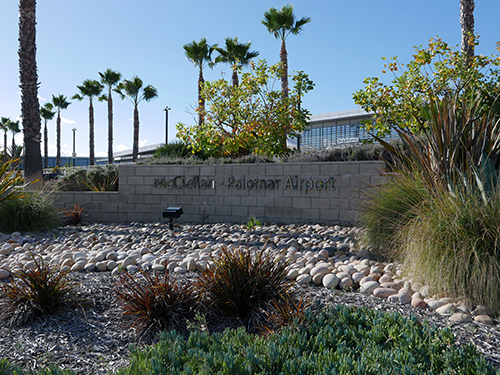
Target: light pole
x: 74, y: 153
x: 166, y: 124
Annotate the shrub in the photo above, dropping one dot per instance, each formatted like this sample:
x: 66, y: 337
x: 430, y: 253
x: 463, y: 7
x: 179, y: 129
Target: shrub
x: 96, y: 179
x: 157, y: 302
x: 32, y: 212
x: 42, y: 290
x: 338, y: 340
x: 72, y: 215
x: 244, y: 283
x: 176, y: 149
x: 10, y: 179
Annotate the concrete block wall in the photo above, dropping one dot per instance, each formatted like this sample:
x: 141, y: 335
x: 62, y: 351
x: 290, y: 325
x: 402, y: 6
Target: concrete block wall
x: 323, y: 192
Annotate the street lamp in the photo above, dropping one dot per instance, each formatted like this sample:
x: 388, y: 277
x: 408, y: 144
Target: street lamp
x: 166, y: 124
x: 74, y: 153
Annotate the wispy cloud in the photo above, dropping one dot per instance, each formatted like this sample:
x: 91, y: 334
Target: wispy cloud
x: 121, y: 148
x: 143, y: 143
x: 66, y: 121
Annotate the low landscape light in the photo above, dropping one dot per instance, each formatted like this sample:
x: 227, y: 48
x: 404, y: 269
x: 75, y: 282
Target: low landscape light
x: 172, y: 213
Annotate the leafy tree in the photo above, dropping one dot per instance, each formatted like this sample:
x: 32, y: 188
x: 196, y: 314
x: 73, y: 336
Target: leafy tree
x: 133, y: 90
x: 200, y: 54
x: 110, y: 79
x: 47, y: 114
x: 282, y: 23
x: 90, y: 89
x: 251, y: 117
x: 436, y: 71
x: 467, y: 23
x: 236, y: 54
x: 60, y: 103
x: 30, y: 107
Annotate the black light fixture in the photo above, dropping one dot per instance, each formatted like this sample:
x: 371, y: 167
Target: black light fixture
x: 74, y: 152
x: 172, y: 213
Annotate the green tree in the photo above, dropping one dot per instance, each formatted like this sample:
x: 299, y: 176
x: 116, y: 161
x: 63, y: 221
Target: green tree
x: 282, y: 23
x: 200, y: 54
x: 47, y: 113
x: 4, y: 125
x: 133, y: 90
x: 110, y: 79
x: 250, y: 117
x: 30, y: 107
x: 436, y: 71
x: 59, y: 102
x: 236, y: 54
x: 90, y: 89
x: 14, y: 129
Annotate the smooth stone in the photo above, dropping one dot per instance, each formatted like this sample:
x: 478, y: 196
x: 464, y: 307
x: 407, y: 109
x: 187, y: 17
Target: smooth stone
x: 4, y: 274
x: 102, y: 266
x: 111, y: 265
x: 389, y: 267
x: 89, y: 267
x: 320, y: 269
x: 369, y: 287
x: 418, y: 302
x: 357, y: 277
x: 447, y: 309
x: 157, y: 267
x: 406, y: 290
x: 385, y: 279
x: 433, y: 305
x: 425, y: 291
x: 304, y: 279
x: 416, y: 295
x: 129, y: 261
x: 460, y: 318
x: 78, y: 266
x: 292, y: 274
x: 402, y: 299
x: 330, y: 280
x: 191, y: 265
x: 447, y: 300
x: 484, y: 319
x: 345, y: 283
x: 389, y: 285
x: 384, y: 292
x: 342, y: 275
x: 318, y: 278
x: 481, y: 310
x: 367, y: 279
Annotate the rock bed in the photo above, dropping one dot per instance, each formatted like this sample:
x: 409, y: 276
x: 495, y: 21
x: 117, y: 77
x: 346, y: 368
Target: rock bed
x: 326, y: 264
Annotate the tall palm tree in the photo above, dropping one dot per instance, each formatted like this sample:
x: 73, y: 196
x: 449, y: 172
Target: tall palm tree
x: 110, y: 80
x: 467, y: 23
x: 90, y: 89
x: 133, y: 90
x: 282, y: 23
x: 200, y: 54
x: 59, y: 102
x: 236, y: 54
x: 30, y: 108
x: 14, y: 129
x: 47, y: 114
x: 4, y: 125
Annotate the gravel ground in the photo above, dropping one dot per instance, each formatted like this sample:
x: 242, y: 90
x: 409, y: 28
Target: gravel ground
x: 95, y: 337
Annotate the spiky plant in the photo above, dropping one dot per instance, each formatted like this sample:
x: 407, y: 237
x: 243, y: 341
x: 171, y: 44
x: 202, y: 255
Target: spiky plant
x: 158, y: 302
x: 72, y: 215
x: 33, y: 292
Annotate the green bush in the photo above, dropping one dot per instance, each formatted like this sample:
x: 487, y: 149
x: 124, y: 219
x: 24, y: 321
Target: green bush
x: 10, y: 180
x: 338, y: 340
x: 177, y: 149
x: 96, y: 179
x: 34, y: 211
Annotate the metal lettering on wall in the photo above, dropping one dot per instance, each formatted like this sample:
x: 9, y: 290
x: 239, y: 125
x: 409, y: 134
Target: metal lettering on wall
x: 246, y: 183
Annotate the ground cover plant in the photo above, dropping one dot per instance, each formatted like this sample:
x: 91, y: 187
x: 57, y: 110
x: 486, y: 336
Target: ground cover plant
x: 96, y: 179
x: 335, y: 340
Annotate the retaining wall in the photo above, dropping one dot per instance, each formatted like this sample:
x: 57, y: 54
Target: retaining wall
x: 322, y: 192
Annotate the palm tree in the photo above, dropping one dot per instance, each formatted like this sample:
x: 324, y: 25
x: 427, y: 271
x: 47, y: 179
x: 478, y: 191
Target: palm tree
x: 60, y: 103
x: 4, y: 125
x: 467, y: 23
x: 236, y: 54
x: 14, y: 129
x: 110, y: 80
x: 30, y: 108
x: 47, y: 114
x: 282, y: 23
x: 200, y: 54
x: 90, y: 89
x: 133, y: 90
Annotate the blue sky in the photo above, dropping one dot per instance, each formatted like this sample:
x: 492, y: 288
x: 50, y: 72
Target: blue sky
x: 342, y: 44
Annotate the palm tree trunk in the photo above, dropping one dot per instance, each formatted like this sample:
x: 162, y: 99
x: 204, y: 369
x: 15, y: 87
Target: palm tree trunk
x: 110, y: 128
x: 235, y: 78
x: 467, y: 23
x: 91, y: 134
x: 135, y: 149
x: 58, y: 140
x: 284, y: 61
x: 201, y: 101
x: 30, y: 107
x: 46, y: 146
x: 5, y: 147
